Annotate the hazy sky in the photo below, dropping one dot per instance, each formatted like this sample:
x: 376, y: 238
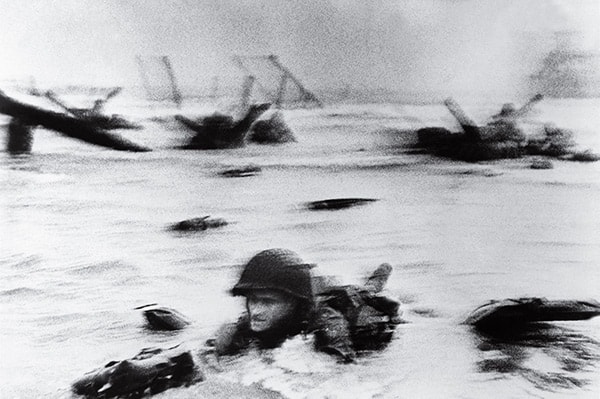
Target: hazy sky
x: 395, y: 44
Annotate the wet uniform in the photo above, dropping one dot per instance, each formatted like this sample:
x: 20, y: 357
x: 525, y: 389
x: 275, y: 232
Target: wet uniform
x: 347, y: 320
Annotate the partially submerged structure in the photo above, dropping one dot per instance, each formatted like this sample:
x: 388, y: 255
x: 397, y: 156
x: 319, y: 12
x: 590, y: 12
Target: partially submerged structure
x: 279, y: 85
x: 499, y: 139
x: 220, y: 131
x: 266, y: 80
x: 25, y: 117
x: 95, y: 115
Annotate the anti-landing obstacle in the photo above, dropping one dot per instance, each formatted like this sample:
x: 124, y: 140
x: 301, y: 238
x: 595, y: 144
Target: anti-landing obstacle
x: 25, y: 117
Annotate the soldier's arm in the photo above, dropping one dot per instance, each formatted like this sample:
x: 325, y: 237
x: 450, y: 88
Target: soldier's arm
x: 332, y: 334
x: 231, y: 338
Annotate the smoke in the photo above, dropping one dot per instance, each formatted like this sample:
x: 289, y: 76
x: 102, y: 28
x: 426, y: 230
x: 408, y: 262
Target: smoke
x: 429, y: 46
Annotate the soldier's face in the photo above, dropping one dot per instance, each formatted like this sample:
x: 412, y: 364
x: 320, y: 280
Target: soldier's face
x: 269, y: 309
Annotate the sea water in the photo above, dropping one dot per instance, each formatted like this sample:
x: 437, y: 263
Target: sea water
x: 84, y: 240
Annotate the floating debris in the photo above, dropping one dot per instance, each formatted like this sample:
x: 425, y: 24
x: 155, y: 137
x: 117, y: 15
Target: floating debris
x: 476, y: 172
x: 509, y: 313
x: 338, y: 203
x: 542, y: 164
x: 153, y: 369
x: 161, y: 318
x: 199, y: 224
x: 245, y: 171
x: 583, y: 156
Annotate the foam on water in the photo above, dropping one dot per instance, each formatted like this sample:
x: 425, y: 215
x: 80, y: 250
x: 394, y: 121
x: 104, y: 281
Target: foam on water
x: 84, y: 235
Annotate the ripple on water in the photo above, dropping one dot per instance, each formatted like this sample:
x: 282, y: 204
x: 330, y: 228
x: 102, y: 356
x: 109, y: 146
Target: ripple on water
x: 21, y: 292
x: 105, y: 268
x: 21, y: 261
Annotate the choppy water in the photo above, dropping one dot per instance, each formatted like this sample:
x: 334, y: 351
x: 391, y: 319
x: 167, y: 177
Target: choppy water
x: 84, y: 241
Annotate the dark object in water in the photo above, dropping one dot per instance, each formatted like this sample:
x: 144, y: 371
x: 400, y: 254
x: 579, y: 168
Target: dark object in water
x: 199, y: 224
x: 510, y: 313
x: 67, y: 125
x: 111, y: 122
x: 245, y: 171
x: 20, y: 137
x: 582, y: 156
x: 554, y: 143
x: 442, y: 142
x: 338, y: 203
x: 161, y: 318
x: 152, y: 369
x: 541, y: 164
x: 272, y: 130
x: 221, y: 131
x: 499, y: 139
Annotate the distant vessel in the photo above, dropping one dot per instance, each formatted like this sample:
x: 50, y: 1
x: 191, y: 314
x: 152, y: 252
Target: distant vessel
x: 566, y: 72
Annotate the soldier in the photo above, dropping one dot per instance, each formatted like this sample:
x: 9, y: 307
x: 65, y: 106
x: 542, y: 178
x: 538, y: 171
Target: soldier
x: 281, y: 303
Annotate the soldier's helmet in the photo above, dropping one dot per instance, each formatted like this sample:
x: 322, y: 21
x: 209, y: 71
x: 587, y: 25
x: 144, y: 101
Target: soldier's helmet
x: 276, y: 269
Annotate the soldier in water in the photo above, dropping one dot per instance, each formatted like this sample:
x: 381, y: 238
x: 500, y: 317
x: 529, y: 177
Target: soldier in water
x: 281, y: 302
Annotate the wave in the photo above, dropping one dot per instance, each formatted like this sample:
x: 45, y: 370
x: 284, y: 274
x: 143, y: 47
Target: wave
x: 21, y: 292
x: 108, y: 267
x: 21, y: 261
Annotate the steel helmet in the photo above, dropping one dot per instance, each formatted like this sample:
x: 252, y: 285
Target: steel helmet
x: 277, y: 269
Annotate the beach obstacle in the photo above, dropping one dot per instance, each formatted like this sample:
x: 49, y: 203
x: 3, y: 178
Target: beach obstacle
x: 28, y: 117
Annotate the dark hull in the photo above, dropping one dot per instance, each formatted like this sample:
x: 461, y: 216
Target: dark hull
x: 508, y: 313
x: 210, y: 139
x: 442, y: 142
x: 338, y: 203
x: 67, y: 125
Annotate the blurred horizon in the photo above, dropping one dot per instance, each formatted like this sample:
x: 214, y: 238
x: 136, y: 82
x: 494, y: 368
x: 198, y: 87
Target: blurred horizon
x: 427, y: 48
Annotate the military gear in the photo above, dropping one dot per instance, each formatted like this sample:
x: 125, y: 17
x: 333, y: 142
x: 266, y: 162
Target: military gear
x: 153, y: 369
x: 276, y: 269
x: 355, y: 318
x: 371, y: 318
x: 345, y: 318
